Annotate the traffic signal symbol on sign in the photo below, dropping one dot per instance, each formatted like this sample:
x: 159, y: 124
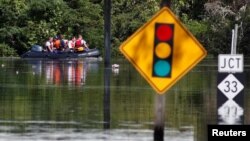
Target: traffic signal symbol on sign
x: 163, y: 50
x: 163, y: 41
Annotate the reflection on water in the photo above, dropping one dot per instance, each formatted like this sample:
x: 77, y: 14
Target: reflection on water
x: 115, y: 68
x: 47, y: 100
x: 71, y: 72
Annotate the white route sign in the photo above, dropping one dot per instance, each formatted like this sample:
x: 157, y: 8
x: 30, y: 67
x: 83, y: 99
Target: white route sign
x: 230, y: 112
x: 230, y: 63
x: 230, y: 86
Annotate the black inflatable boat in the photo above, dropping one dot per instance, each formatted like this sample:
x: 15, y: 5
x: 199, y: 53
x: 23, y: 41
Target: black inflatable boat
x: 37, y: 52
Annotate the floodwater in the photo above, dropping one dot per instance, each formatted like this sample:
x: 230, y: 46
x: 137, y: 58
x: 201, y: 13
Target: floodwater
x: 48, y: 100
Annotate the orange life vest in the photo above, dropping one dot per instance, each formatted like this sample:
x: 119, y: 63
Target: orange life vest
x: 57, y: 44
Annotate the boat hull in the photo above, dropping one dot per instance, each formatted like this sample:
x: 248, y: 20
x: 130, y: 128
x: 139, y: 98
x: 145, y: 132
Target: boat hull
x: 55, y: 55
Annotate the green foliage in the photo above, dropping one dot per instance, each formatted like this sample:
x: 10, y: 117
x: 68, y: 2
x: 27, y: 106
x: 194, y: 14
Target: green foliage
x: 13, y: 14
x: 47, y: 18
x: 5, y: 50
x: 27, y: 22
x: 198, y: 28
x: 221, y: 17
x: 244, y: 43
x: 193, y: 8
x: 212, y: 23
x: 90, y: 22
x: 128, y: 16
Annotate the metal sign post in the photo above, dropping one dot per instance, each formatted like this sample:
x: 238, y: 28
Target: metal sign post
x: 230, y: 87
x: 107, y: 71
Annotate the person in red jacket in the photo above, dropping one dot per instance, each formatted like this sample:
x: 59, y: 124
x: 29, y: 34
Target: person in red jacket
x: 81, y: 44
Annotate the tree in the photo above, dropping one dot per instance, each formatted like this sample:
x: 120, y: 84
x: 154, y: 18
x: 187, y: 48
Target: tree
x: 222, y: 16
x: 12, y: 15
x: 128, y: 16
x: 27, y: 22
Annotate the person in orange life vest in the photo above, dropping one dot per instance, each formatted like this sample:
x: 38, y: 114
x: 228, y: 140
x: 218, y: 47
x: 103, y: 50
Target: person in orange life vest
x: 56, y: 43
x: 49, y: 44
x: 81, y: 44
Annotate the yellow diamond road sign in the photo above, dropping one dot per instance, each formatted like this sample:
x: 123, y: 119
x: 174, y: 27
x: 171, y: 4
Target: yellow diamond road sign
x: 163, y: 50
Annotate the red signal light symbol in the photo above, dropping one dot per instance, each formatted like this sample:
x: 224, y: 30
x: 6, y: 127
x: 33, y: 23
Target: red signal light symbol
x: 163, y: 50
x: 164, y: 32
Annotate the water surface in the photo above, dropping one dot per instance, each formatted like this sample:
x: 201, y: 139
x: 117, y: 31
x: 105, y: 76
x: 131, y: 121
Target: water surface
x: 46, y: 100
